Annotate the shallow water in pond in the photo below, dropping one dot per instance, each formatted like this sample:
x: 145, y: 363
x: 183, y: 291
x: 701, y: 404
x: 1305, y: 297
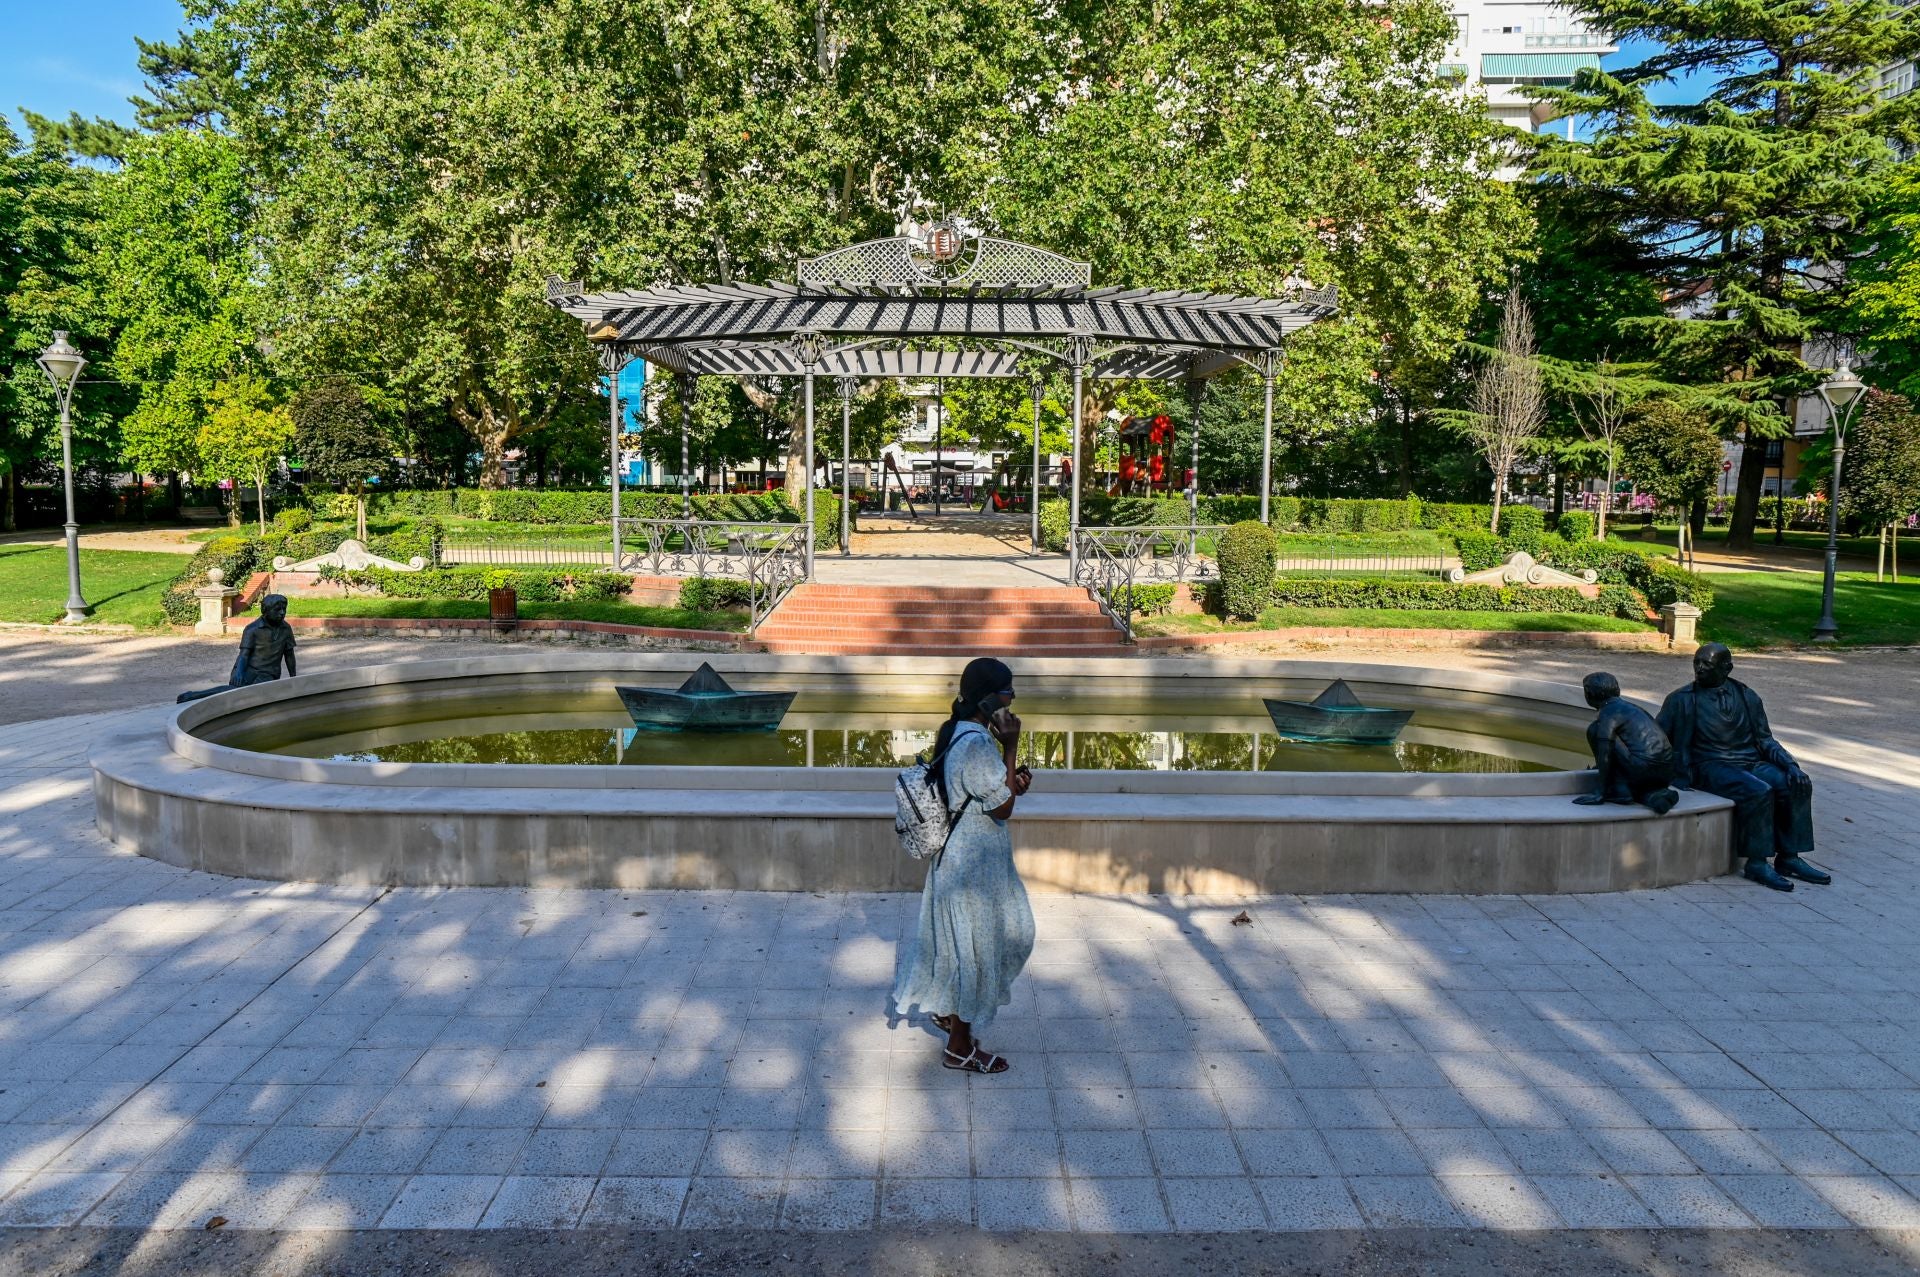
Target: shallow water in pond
x: 1151, y: 734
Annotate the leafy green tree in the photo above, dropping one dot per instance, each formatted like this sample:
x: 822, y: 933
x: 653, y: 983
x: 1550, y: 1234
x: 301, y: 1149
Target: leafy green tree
x: 1746, y: 203
x: 46, y: 223
x: 1885, y: 314
x: 176, y: 271
x: 1881, y: 483
x: 186, y: 83
x: 244, y: 437
x: 1674, y: 454
x: 341, y: 440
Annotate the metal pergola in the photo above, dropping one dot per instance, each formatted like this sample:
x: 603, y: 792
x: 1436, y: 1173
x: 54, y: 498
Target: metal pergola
x: 939, y: 304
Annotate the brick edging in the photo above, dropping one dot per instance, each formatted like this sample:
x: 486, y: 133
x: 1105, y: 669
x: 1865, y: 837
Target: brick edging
x: 455, y: 627
x: 1375, y: 636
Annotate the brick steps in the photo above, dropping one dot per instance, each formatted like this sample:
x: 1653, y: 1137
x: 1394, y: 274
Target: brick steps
x: 853, y: 620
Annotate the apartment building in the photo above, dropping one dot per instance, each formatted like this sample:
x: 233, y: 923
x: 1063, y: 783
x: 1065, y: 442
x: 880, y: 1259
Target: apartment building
x: 1507, y: 45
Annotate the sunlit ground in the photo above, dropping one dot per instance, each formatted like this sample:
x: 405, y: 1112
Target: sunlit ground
x: 175, y: 1046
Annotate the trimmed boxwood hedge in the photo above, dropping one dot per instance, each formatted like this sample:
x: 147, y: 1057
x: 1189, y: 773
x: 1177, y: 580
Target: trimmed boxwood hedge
x: 1642, y: 567
x: 473, y: 583
x: 239, y: 556
x: 1439, y: 596
x: 559, y: 506
x: 1246, y: 567
x: 714, y: 593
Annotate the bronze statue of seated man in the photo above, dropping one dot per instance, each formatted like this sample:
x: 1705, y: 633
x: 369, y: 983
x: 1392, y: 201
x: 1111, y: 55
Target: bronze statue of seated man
x: 1722, y: 744
x: 1631, y: 753
x: 264, y: 644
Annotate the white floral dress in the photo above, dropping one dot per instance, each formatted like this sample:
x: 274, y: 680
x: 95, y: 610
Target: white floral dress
x: 976, y: 927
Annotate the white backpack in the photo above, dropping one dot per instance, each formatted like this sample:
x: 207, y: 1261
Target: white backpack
x: 921, y: 820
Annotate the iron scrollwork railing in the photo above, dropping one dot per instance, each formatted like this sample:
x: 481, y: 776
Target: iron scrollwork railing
x: 770, y: 557
x: 1113, y: 561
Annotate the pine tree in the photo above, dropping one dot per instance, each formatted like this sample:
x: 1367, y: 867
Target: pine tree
x: 1747, y: 203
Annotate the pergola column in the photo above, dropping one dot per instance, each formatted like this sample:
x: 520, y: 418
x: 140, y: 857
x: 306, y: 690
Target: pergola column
x: 1037, y: 383
x: 688, y: 383
x: 847, y: 386
x: 613, y: 362
x: 1269, y: 365
x: 1079, y: 350
x: 811, y: 348
x: 1196, y: 391
x: 939, y: 438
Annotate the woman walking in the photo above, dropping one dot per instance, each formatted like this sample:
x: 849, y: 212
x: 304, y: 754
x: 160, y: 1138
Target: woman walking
x: 976, y: 927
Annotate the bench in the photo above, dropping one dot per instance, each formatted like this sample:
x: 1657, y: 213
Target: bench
x: 203, y: 514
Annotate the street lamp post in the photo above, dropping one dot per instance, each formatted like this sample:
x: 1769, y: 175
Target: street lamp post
x: 1841, y: 392
x: 62, y: 364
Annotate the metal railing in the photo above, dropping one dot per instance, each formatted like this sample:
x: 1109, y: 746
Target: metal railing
x: 535, y: 552
x: 1111, y: 562
x: 1425, y: 564
x: 770, y: 557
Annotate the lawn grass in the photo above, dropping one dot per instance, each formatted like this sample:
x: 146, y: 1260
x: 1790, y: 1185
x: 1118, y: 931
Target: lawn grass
x: 1282, y: 618
x: 476, y: 609
x: 1715, y: 538
x: 124, y: 586
x: 1778, y: 609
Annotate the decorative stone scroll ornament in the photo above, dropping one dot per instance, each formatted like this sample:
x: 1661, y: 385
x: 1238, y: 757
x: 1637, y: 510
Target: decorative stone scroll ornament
x: 351, y: 556
x: 1522, y: 569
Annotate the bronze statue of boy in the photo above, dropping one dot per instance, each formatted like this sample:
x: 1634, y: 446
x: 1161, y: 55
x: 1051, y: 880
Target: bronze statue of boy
x: 1633, y: 756
x: 1722, y: 744
x: 264, y: 644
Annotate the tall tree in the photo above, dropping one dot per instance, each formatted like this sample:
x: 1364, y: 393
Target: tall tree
x: 46, y: 223
x: 341, y: 441
x: 1508, y: 404
x: 244, y: 437
x: 1885, y: 317
x: 1746, y: 202
x: 178, y: 274
x: 1672, y: 453
x: 1881, y: 485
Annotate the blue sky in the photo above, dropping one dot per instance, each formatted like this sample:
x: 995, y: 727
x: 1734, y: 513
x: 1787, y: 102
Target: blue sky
x: 62, y: 57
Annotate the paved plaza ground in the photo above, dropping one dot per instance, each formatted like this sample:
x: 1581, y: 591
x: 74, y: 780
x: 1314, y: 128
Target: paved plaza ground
x: 1650, y: 1081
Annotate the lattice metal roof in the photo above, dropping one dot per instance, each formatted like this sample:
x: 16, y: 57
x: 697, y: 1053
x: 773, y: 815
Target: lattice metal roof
x: 994, y: 296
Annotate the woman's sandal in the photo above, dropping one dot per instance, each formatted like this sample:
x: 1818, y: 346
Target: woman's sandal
x: 976, y: 1061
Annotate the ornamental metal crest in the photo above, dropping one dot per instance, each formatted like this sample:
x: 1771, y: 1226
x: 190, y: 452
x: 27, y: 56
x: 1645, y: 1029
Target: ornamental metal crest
x: 942, y: 256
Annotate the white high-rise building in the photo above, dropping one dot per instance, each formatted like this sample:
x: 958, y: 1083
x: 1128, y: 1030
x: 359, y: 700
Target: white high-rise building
x: 1503, y: 45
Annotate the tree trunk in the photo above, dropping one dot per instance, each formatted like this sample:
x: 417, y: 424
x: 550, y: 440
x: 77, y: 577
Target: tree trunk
x: 1606, y: 498
x: 6, y: 500
x: 1404, y: 461
x: 1746, y: 497
x: 360, y: 513
x: 493, y: 459
x: 173, y: 493
x: 260, y: 500
x: 1696, y: 515
x: 1493, y: 525
x: 1559, y: 491
x: 1880, y: 554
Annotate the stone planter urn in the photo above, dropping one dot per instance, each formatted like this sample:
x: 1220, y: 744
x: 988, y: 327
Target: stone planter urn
x: 503, y: 608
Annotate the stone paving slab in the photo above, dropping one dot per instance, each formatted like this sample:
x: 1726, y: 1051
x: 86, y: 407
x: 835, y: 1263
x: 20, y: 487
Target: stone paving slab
x: 175, y: 1046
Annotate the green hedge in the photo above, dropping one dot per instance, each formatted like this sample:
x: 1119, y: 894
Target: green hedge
x: 1522, y: 520
x: 1246, y: 568
x: 553, y: 505
x: 1429, y: 596
x: 1642, y: 567
x: 714, y: 593
x: 239, y: 556
x: 473, y: 583
x: 1148, y: 600
x: 1575, y: 525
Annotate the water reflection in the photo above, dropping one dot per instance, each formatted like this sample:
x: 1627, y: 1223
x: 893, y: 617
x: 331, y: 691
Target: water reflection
x: 1150, y: 737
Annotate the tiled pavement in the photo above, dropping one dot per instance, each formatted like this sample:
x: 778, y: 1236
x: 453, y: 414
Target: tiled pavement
x: 175, y: 1046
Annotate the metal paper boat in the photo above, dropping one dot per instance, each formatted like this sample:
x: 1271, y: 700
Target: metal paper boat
x: 1337, y: 715
x: 705, y: 703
